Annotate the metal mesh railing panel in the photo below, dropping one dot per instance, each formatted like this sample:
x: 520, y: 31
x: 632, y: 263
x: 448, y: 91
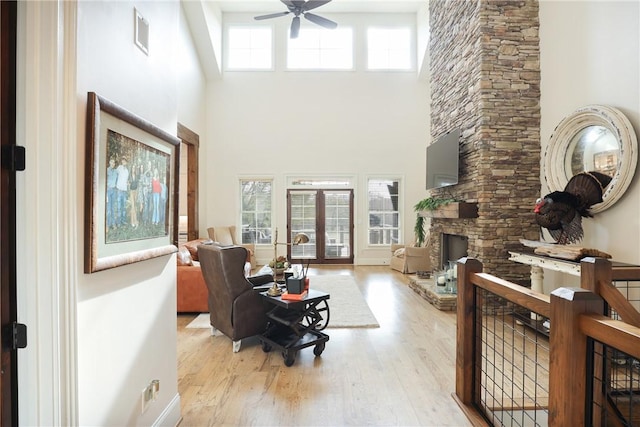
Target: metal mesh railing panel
x: 513, y: 363
x: 615, y: 398
x: 631, y: 291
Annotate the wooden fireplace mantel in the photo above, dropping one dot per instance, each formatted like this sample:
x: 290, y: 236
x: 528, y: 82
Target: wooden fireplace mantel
x: 453, y: 210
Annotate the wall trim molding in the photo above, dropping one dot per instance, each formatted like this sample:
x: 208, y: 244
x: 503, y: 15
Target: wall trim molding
x: 48, y: 227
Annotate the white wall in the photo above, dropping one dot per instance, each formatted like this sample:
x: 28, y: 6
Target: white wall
x: 127, y: 315
x: 281, y: 123
x: 590, y: 54
x: 191, y: 97
x: 94, y: 341
x: 191, y: 82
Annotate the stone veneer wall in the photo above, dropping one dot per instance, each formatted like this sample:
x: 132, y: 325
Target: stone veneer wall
x: 485, y: 79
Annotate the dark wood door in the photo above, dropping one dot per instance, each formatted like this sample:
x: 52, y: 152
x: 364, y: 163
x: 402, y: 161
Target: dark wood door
x: 190, y: 142
x: 8, y: 315
x: 326, y: 216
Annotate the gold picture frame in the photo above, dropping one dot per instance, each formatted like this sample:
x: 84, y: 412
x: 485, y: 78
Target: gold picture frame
x: 131, y: 188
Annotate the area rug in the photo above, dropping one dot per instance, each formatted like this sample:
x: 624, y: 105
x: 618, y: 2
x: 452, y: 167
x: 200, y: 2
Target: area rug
x: 347, y: 306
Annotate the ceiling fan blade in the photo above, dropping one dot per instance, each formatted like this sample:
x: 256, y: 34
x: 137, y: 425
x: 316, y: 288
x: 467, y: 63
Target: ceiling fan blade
x: 294, y: 4
x: 271, y: 15
x: 323, y: 22
x: 295, y: 27
x: 312, y: 4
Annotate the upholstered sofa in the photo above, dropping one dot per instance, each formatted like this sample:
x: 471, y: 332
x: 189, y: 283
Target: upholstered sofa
x: 191, y: 290
x: 409, y: 259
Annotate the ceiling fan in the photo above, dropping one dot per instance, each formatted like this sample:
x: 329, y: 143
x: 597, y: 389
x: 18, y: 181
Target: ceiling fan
x: 301, y: 7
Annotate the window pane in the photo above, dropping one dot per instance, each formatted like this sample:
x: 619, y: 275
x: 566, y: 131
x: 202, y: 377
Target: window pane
x: 389, y: 48
x: 256, y: 211
x: 303, y: 220
x: 321, y: 49
x: 334, y: 39
x: 239, y: 38
x: 249, y: 48
x: 384, y: 216
x: 337, y: 224
x: 399, y: 59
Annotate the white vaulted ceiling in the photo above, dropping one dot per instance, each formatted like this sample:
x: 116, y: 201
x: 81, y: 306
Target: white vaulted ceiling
x: 336, y: 6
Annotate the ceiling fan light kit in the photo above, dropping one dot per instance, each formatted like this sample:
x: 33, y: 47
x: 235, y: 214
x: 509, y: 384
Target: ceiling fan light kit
x: 301, y: 7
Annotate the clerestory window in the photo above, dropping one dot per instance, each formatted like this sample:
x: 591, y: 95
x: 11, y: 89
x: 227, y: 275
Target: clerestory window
x: 389, y: 49
x: 249, y: 48
x: 321, y: 49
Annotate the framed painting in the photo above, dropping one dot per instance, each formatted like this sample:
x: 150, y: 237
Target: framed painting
x: 131, y: 188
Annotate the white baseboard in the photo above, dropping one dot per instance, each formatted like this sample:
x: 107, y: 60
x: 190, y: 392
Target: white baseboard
x: 171, y: 415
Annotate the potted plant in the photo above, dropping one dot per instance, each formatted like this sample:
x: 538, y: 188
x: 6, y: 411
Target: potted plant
x: 428, y: 204
x: 279, y: 263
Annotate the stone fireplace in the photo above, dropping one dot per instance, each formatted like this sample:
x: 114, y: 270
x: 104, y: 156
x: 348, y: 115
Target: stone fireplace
x: 485, y: 80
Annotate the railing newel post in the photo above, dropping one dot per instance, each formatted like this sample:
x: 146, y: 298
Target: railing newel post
x: 466, y: 346
x: 568, y: 355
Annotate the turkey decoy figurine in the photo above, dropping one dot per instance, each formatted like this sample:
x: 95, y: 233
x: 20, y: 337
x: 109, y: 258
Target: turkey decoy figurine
x: 561, y: 212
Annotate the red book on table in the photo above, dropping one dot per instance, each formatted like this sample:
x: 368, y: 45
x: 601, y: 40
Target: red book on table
x: 294, y: 297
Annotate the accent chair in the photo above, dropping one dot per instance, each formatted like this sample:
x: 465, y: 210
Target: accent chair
x: 235, y: 306
x: 410, y: 259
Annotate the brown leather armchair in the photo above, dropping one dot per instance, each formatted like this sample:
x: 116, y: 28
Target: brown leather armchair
x: 235, y: 307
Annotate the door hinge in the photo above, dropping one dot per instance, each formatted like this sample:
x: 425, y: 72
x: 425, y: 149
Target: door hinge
x: 13, y: 158
x: 15, y: 336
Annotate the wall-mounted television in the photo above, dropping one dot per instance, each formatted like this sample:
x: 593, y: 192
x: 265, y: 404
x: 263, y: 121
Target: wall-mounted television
x: 442, y: 160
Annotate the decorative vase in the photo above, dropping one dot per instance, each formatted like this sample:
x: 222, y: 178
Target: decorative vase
x: 452, y: 277
x: 440, y: 279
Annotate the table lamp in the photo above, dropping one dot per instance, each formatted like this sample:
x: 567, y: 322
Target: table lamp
x: 297, y: 239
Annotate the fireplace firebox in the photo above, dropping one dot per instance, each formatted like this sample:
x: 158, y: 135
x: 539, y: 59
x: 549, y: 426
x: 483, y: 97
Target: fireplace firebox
x: 453, y: 247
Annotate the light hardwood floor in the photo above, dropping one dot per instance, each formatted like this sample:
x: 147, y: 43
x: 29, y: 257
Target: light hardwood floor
x: 401, y: 374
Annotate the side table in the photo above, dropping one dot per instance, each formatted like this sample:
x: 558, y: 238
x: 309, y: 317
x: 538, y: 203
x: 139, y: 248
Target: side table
x: 294, y: 325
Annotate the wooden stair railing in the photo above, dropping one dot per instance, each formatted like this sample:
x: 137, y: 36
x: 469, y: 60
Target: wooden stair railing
x: 470, y: 276
x: 576, y: 315
x: 597, y: 276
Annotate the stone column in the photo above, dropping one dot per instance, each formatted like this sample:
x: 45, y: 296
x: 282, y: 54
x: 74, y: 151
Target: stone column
x: 485, y: 80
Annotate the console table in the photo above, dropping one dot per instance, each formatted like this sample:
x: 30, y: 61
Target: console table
x: 538, y: 262
x: 620, y: 270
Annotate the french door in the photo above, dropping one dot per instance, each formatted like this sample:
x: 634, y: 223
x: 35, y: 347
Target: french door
x: 326, y: 216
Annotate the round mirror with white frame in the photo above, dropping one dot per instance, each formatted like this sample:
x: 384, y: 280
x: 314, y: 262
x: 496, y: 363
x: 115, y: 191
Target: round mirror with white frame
x: 593, y: 138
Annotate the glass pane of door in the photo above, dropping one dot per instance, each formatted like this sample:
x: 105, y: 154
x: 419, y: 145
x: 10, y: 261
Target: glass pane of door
x: 302, y: 219
x: 337, y: 213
